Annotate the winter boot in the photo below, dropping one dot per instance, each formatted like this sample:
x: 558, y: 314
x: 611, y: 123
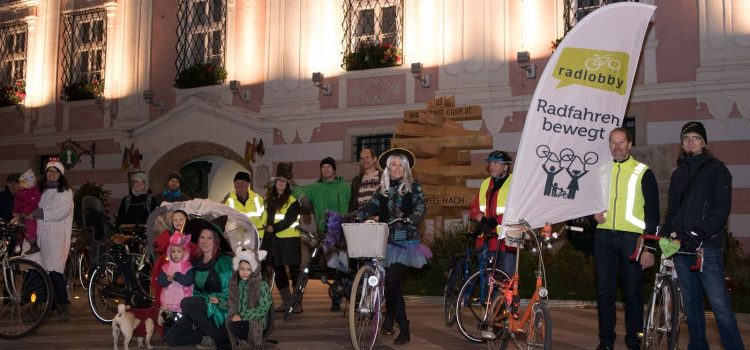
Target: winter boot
x: 403, y: 336
x: 286, y: 298
x: 33, y: 249
x: 388, y: 324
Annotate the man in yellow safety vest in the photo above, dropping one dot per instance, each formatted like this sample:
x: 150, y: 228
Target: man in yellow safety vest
x: 633, y: 210
x: 244, y: 200
x: 488, y: 207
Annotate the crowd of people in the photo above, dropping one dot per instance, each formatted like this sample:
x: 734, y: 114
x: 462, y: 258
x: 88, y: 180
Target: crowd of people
x: 217, y: 295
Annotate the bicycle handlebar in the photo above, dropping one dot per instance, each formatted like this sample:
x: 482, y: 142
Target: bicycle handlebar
x: 640, y: 245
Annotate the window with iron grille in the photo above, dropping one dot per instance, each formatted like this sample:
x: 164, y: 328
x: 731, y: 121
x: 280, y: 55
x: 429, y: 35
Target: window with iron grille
x: 201, y: 43
x: 84, y: 54
x: 373, y: 33
x: 575, y: 10
x: 378, y: 143
x: 12, y: 62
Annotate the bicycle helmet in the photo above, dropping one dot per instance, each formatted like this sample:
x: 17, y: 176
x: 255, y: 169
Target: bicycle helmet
x: 499, y: 156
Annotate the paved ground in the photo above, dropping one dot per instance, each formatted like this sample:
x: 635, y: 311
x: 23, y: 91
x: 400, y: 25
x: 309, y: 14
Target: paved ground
x: 574, y: 327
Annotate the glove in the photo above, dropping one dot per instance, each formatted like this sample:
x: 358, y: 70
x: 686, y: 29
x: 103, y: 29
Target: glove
x: 490, y: 223
x: 688, y: 242
x: 38, y: 213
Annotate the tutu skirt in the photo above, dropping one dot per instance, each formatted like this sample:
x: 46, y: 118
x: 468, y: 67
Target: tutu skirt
x: 410, y: 253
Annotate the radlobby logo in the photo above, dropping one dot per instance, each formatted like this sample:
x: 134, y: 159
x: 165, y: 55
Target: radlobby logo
x: 597, y: 69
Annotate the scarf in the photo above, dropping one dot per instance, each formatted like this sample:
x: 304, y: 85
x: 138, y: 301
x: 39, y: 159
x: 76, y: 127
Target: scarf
x: 51, y: 184
x: 174, y: 194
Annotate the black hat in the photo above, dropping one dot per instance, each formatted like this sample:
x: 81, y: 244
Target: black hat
x: 330, y: 161
x: 194, y: 227
x: 696, y: 127
x: 242, y: 175
x: 284, y: 171
x: 383, y: 159
x: 175, y: 176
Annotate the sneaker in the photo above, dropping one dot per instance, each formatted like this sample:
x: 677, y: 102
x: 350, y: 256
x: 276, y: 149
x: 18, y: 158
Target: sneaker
x: 335, y: 307
x: 207, y: 343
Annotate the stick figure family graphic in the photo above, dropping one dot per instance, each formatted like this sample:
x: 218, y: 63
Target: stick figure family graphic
x: 567, y: 160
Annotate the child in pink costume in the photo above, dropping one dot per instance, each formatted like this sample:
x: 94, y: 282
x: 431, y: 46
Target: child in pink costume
x: 26, y: 200
x: 177, y: 275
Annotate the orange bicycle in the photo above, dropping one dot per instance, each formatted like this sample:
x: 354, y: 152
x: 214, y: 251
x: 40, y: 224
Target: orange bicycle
x: 507, y: 319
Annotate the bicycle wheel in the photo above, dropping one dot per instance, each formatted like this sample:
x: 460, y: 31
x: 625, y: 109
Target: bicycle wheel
x: 472, y: 315
x: 27, y: 298
x: 662, y: 325
x: 540, y: 329
x: 365, y: 308
x: 499, y: 324
x: 105, y: 291
x: 84, y: 268
x: 452, y: 288
x: 296, y: 299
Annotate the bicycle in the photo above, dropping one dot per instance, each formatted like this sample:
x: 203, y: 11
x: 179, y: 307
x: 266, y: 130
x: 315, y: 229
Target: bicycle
x: 340, y: 286
x: 506, y: 318
x: 461, y: 268
x: 116, y: 280
x: 661, y: 325
x: 27, y: 294
x: 78, y: 265
x: 476, y: 295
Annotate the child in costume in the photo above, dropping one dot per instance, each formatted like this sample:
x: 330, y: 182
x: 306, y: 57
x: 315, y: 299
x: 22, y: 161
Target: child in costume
x: 161, y: 249
x: 249, y: 301
x: 177, y: 275
x: 25, y: 202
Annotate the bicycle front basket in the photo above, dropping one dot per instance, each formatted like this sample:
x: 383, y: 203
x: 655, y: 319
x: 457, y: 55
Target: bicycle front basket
x: 366, y: 240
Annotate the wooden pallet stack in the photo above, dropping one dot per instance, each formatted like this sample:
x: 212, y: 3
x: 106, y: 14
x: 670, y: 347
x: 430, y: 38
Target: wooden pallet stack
x: 443, y: 150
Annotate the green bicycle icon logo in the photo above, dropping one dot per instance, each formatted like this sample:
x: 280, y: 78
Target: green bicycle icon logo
x: 598, y: 61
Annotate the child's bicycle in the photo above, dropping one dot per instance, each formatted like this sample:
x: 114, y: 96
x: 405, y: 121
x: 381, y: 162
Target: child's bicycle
x: 505, y: 316
x: 461, y: 267
x: 661, y: 324
x: 367, y: 241
x: 26, y: 289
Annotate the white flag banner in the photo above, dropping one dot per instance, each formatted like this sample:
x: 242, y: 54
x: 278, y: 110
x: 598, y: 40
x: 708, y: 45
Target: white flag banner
x: 563, y: 164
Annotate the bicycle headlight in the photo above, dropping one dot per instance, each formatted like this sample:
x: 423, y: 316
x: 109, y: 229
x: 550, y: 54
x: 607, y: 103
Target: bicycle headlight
x: 373, y: 281
x: 543, y: 292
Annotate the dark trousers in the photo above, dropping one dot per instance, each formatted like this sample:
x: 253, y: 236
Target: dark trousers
x: 60, y: 287
x: 394, y: 292
x: 282, y: 278
x: 612, y: 251
x: 194, y: 324
x: 239, y: 329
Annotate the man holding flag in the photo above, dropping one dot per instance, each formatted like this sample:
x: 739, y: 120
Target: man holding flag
x: 633, y: 210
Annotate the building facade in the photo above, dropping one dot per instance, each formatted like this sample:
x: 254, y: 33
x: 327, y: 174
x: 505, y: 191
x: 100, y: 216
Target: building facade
x: 214, y: 86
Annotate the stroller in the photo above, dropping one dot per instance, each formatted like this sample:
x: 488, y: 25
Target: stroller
x: 238, y: 230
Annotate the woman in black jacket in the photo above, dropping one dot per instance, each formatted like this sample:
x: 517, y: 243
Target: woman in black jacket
x: 138, y: 204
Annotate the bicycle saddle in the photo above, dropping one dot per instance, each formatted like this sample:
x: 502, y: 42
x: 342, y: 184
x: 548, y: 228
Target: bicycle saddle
x: 119, y: 238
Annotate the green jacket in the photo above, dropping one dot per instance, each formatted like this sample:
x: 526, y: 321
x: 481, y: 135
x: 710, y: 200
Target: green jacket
x: 223, y: 268
x: 325, y: 196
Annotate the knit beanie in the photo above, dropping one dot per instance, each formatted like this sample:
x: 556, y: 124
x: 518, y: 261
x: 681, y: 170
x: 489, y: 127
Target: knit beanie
x: 696, y: 127
x: 241, y: 175
x: 330, y: 161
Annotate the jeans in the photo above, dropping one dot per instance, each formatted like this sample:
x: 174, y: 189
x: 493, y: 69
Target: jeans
x: 693, y: 286
x: 612, y: 251
x: 506, y: 261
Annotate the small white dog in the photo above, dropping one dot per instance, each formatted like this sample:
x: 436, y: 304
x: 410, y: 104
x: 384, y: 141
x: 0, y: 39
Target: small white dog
x: 126, y: 322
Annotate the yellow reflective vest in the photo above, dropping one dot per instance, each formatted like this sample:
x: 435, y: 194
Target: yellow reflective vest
x: 626, y: 202
x: 501, y: 196
x: 280, y: 214
x: 253, y: 207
